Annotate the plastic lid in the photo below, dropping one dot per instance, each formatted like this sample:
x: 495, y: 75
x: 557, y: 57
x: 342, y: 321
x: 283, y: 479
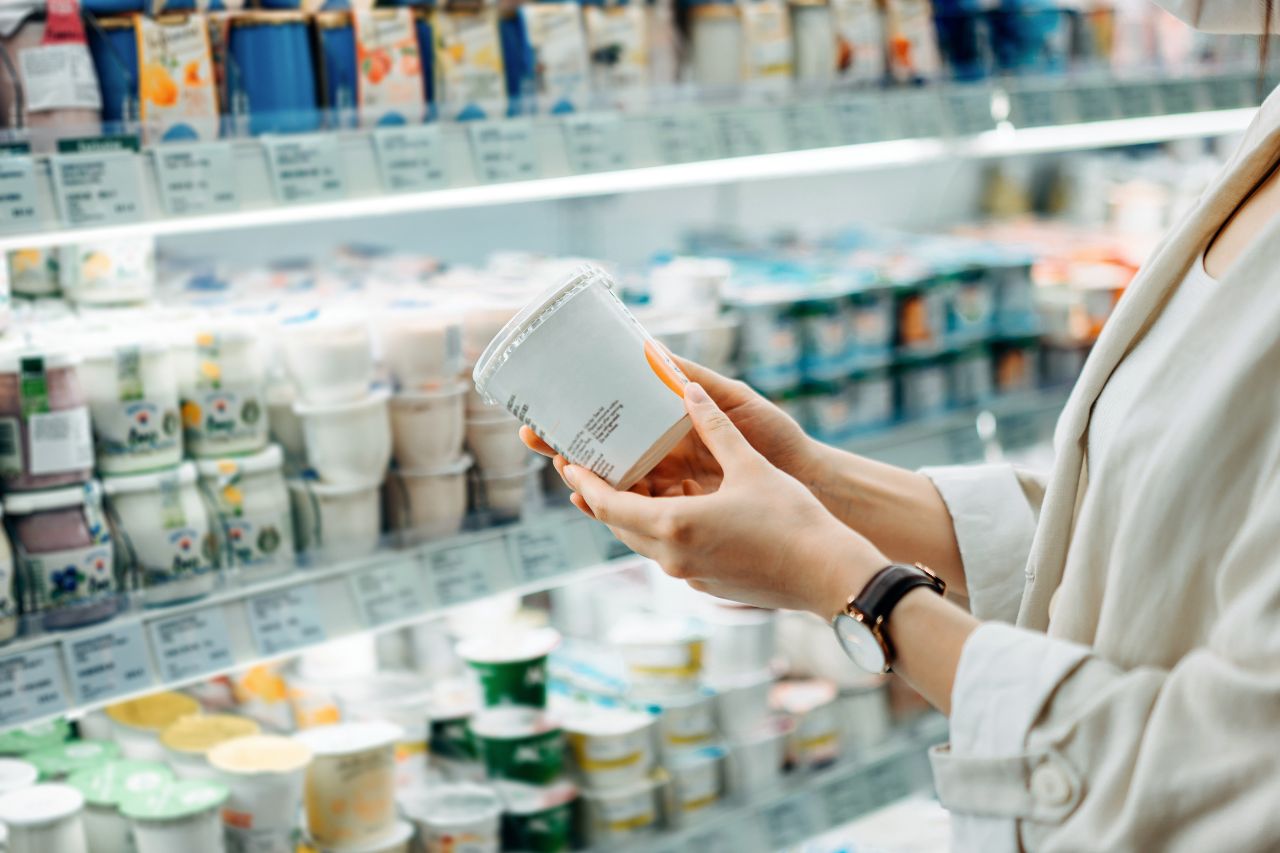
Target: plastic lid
x: 67, y: 758
x: 509, y: 648
x: 198, y: 734
x: 11, y: 358
x: 345, y: 738
x: 457, y: 466
x: 377, y: 397
x: 40, y: 805
x: 25, y: 503
x: 108, y: 784
x: 454, y: 805
x: 691, y: 757
x: 153, y: 712
x: 322, y: 489
x: 184, y: 798
x: 16, y: 774
x: 531, y: 799
x: 269, y: 459
x: 260, y: 754
x: 643, y: 630
x: 608, y: 721
x: 28, y: 738
x: 511, y: 723
x: 151, y: 481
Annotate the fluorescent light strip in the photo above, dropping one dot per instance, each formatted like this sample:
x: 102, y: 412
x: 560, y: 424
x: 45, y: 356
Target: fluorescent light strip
x: 789, y: 164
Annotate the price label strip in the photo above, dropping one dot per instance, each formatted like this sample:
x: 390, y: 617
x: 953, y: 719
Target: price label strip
x: 744, y: 133
x: 1096, y: 103
x: 1040, y: 106
x: 1230, y: 91
x: 918, y: 115
x: 411, y: 159
x: 806, y: 126
x: 858, y: 119
x: 504, y: 151
x: 540, y: 554
x: 389, y: 593
x: 30, y: 686
x: 682, y: 138
x: 19, y: 210
x: 1178, y: 97
x: 196, y: 179
x: 460, y: 574
x: 191, y: 644
x: 726, y: 838
x: 1136, y: 100
x: 596, y: 143
x: 969, y: 110
x: 97, y: 188
x: 789, y: 821
x: 306, y: 169
x: 285, y: 620
x: 108, y: 663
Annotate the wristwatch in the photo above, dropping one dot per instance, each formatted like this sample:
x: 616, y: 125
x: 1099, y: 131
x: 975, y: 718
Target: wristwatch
x: 860, y: 627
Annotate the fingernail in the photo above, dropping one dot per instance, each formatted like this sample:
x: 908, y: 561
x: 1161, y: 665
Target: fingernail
x: 571, y: 474
x: 694, y: 393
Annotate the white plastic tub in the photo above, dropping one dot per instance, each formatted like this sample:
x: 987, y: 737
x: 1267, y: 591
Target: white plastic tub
x: 44, y: 819
x: 756, y: 761
x: 697, y: 782
x: 132, y: 389
x: 495, y: 443
x: 348, y: 443
x: 742, y: 702
x: 457, y: 817
x: 685, y: 721
x: 740, y: 640
x: 398, y: 841
x: 427, y: 426
x: 329, y: 357
x: 618, y: 815
x: 252, y: 505
x: 507, y: 496
x: 221, y: 379
x: 341, y: 521
x: 401, y: 698
x: 350, y: 787
x: 611, y: 748
x: 421, y: 344
x: 430, y: 502
x: 103, y: 788
x: 813, y: 705
x: 185, y: 816
x: 663, y: 654
x: 265, y: 775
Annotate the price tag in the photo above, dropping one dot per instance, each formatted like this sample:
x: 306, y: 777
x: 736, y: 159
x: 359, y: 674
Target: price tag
x: 858, y: 119
x: 504, y: 150
x: 1037, y: 107
x: 108, y: 663
x: 97, y: 188
x: 1135, y: 99
x: 845, y: 798
x: 1096, y: 103
x: 596, y: 143
x: 412, y: 158
x: 1179, y: 96
x: 1230, y: 92
x: 918, y: 115
x: 969, y: 110
x: 788, y: 822
x: 30, y: 686
x: 18, y: 209
x: 805, y: 126
x: 192, y: 644
x: 460, y: 574
x: 540, y: 554
x: 306, y: 169
x: 285, y: 620
x: 196, y: 178
x: 389, y: 593
x: 682, y: 138
x: 743, y: 133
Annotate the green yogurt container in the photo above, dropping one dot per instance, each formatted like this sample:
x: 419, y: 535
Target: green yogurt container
x: 56, y: 763
x: 512, y: 668
x: 519, y: 744
x: 25, y: 739
x: 537, y: 819
x: 104, y: 787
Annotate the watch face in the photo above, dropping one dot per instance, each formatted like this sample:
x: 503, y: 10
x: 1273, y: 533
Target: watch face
x: 859, y: 643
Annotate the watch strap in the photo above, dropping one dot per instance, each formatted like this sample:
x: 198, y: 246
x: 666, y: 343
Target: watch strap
x: 883, y: 592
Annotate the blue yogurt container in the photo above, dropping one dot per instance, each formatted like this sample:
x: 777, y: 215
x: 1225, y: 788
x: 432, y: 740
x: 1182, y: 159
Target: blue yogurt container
x: 113, y: 44
x: 271, y: 62
x: 336, y: 48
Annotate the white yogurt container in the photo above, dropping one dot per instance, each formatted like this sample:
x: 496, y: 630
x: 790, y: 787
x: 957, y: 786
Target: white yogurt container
x: 348, y: 442
x: 866, y: 716
x: 343, y: 522
x: 350, y: 787
x: 814, y: 41
x: 507, y: 496
x: 265, y: 775
x: 401, y: 698
x: 740, y: 640
x: 329, y: 357
x: 16, y: 774
x: 585, y: 376
x: 611, y: 748
x: 8, y: 587
x: 286, y: 426
x: 132, y: 390
x: 104, y: 787
x: 756, y: 761
x: 427, y: 426
x: 686, y: 720
x: 112, y: 272
x: 457, y: 818
x: 663, y: 654
x: 697, y: 782
x: 184, y: 816
x: 814, y: 707
x: 742, y: 702
x: 165, y: 527
x: 431, y: 502
x: 618, y: 815
x: 252, y: 505
x: 398, y: 841
x: 44, y: 819
x: 221, y: 379
x: 495, y: 443
x: 421, y: 344
x: 716, y: 45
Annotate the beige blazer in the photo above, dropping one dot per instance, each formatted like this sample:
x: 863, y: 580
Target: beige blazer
x: 1164, y: 732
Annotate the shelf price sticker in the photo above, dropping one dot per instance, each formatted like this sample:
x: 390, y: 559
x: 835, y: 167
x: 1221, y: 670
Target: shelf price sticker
x: 1178, y: 97
x: 969, y: 109
x: 196, y: 179
x: 805, y: 126
x: 918, y: 115
x: 725, y: 838
x: 98, y: 188
x: 389, y: 593
x: 19, y: 210
x: 789, y: 821
x: 682, y: 137
x: 411, y: 159
x: 306, y: 169
x: 460, y: 574
x: 846, y: 797
x: 540, y: 553
x: 1096, y: 103
x: 743, y: 133
x: 31, y: 686
x: 596, y: 143
x: 1135, y: 99
x: 504, y: 150
x: 1231, y: 91
x: 1040, y: 106
x: 191, y: 644
x: 858, y: 119
x: 285, y: 620
x: 108, y: 663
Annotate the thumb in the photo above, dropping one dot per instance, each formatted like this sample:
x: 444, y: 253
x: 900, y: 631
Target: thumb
x: 715, y: 429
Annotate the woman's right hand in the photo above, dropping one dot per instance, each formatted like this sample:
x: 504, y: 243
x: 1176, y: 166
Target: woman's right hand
x: 691, y: 468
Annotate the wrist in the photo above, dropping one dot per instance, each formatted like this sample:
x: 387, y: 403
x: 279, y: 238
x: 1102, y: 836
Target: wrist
x: 847, y: 563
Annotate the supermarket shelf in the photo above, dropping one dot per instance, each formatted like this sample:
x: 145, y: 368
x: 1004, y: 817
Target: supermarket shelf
x: 146, y: 649
x: 47, y: 200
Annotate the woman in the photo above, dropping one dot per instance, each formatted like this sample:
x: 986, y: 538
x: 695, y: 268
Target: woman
x: 1136, y: 704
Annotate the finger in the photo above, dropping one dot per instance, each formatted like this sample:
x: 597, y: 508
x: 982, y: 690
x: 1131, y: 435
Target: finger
x: 691, y: 488
x: 537, y: 445
x: 719, y: 387
x: 615, y: 508
x: 581, y: 503
x: 558, y: 462
x: 716, y: 430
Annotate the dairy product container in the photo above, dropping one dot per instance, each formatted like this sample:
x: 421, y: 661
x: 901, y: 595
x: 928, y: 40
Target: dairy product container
x: 398, y: 841
x: 184, y: 815
x: 866, y: 717
x: 519, y: 744
x: 537, y: 818
x: 585, y: 376
x: 697, y: 781
x: 470, y: 82
x: 350, y: 785
x: 716, y: 46
x: 814, y: 707
x: 427, y: 426
x: 512, y: 668
x: 20, y: 740
x: 8, y: 588
x: 814, y: 41
x: 348, y: 442
x: 44, y: 819
x: 685, y: 720
x: 429, y: 502
x: 265, y: 776
x: 137, y: 723
x: 108, y: 273
x: 740, y: 640
x: 56, y: 763
x: 421, y: 345
x: 33, y: 272
x: 45, y: 432
x: 401, y: 698
x: 252, y: 505
x: 64, y: 554
x: 329, y: 357
x: 506, y: 496
x: 341, y: 521
x: 286, y: 426
x: 457, y: 817
x: 689, y: 285
x: 756, y: 760
x: 618, y: 815
x: 767, y: 59
x: 221, y: 380
x: 16, y: 774
x: 454, y: 701
x: 610, y: 748
x: 103, y: 788
x: 187, y: 741
x: 495, y: 443
x: 742, y: 702
x: 663, y: 654
x: 165, y: 529
x: 618, y: 45
x: 132, y: 389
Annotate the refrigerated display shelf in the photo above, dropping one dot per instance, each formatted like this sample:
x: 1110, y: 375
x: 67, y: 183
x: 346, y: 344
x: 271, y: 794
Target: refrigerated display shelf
x: 111, y: 189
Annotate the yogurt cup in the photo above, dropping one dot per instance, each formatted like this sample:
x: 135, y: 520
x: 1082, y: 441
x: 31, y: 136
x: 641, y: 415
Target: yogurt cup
x: 401, y: 698
x: 455, y: 818
x: 507, y: 496
x: 132, y: 389
x: 398, y: 841
x: 686, y: 720
x: 512, y: 669
x: 618, y: 815
x: 429, y: 502
x: 585, y: 376
x: 742, y: 702
x: 104, y: 787
x: 350, y: 786
x: 137, y: 723
x: 44, y: 819
x: 866, y: 715
x: 814, y: 707
x: 495, y: 443
x: 16, y: 774
x: 285, y: 425
x: 740, y: 640
x: 252, y: 505
x: 421, y: 344
x: 537, y: 820
x: 519, y: 744
x: 21, y: 740
x: 756, y: 761
x: 611, y: 748
x: 348, y: 443
x: 184, y: 815
x: 56, y: 763
x: 427, y: 426
x: 452, y: 745
x: 265, y: 775
x: 187, y: 741
x: 697, y: 781
x: 341, y: 522
x: 329, y: 357
x: 663, y: 654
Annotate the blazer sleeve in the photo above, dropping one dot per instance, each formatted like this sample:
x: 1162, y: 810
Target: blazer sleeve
x: 994, y: 509
x: 1093, y: 756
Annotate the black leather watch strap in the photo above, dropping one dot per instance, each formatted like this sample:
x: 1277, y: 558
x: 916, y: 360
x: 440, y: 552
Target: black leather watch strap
x: 885, y: 589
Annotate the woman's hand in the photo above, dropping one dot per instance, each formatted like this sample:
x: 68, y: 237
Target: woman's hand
x: 761, y: 538
x: 769, y: 430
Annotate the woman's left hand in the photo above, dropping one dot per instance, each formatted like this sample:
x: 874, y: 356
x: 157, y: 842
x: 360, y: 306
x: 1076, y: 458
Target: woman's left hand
x: 761, y: 538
